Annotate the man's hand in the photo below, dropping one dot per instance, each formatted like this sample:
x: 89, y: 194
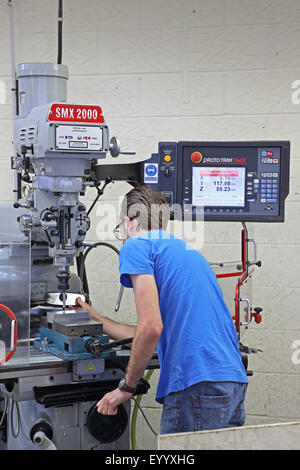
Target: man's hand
x: 111, y: 328
x: 84, y: 307
x: 108, y: 405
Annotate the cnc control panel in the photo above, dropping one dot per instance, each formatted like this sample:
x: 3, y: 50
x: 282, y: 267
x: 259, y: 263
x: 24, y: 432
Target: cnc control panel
x: 226, y: 181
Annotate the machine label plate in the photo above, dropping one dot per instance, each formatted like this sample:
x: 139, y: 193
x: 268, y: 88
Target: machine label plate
x: 75, y: 113
x: 87, y: 138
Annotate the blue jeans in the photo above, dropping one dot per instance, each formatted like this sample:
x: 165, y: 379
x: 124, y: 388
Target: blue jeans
x: 203, y: 406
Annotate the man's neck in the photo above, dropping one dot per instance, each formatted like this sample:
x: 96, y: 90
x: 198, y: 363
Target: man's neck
x: 140, y: 232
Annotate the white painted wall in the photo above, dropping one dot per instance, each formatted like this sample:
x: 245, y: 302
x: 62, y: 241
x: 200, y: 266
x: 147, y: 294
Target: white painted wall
x: 185, y: 70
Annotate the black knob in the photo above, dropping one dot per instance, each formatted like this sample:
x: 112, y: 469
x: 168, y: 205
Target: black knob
x: 258, y: 310
x: 54, y: 233
x: 81, y: 232
x: 81, y: 208
x: 16, y: 205
x: 26, y: 177
x: 48, y: 217
x: 23, y: 149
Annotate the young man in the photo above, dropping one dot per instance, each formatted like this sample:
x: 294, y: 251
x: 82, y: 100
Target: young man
x: 181, y: 311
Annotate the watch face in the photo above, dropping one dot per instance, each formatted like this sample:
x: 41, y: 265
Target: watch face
x: 124, y: 387
x: 121, y: 383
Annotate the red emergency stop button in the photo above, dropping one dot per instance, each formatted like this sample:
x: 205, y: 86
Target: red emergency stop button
x: 196, y: 157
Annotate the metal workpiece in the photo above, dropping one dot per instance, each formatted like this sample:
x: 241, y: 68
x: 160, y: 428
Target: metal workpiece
x: 76, y: 324
x: 53, y: 298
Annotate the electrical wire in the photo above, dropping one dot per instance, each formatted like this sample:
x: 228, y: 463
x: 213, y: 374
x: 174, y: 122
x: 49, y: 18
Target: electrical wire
x: 83, y: 259
x: 141, y: 410
x: 15, y: 434
x: 4, y: 410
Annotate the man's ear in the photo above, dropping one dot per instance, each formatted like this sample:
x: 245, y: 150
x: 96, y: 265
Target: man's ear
x: 137, y: 225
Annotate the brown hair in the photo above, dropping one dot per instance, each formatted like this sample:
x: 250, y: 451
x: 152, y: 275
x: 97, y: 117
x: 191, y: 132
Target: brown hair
x: 148, y: 206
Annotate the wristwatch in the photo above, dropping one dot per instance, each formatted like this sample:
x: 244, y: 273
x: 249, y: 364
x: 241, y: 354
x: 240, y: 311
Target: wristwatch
x: 124, y: 387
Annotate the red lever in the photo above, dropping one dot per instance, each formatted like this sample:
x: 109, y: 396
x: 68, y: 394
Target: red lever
x: 13, y: 343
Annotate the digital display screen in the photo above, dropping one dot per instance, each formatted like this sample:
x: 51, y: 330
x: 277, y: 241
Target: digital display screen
x: 219, y: 187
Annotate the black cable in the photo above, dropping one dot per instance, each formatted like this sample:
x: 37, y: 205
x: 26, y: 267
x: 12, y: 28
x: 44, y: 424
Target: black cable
x: 60, y: 20
x: 82, y: 258
x: 94, y: 203
x: 114, y: 344
x: 144, y: 416
x: 100, y: 191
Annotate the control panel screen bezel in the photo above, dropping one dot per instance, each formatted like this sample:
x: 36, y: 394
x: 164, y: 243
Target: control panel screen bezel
x: 241, y: 213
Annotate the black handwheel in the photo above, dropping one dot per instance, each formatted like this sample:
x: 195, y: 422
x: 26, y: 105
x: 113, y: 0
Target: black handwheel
x: 107, y: 428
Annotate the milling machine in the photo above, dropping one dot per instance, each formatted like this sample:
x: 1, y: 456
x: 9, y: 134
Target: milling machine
x: 68, y: 362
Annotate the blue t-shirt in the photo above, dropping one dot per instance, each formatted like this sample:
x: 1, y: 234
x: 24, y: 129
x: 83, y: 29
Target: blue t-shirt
x: 198, y: 341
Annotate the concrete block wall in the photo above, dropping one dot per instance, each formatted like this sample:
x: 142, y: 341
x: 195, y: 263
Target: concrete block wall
x: 185, y: 70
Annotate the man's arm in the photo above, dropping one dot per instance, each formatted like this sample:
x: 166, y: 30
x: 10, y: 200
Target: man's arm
x: 145, y: 340
x: 149, y: 326
x: 114, y: 330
